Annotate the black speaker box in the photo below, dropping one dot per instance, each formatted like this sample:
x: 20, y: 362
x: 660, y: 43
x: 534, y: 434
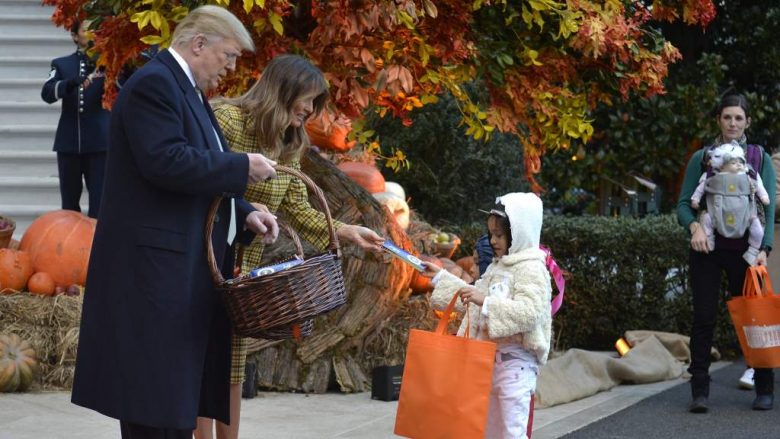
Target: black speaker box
x: 249, y: 388
x: 386, y: 382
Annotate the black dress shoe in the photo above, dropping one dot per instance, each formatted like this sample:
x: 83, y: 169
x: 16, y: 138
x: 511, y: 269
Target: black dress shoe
x: 763, y: 402
x: 698, y: 405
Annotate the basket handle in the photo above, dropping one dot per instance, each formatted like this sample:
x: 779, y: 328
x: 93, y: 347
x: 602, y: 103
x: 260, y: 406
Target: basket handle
x: 216, y: 273
x: 311, y: 186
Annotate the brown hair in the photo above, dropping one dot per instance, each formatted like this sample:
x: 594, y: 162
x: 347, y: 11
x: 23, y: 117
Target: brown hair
x: 269, y: 102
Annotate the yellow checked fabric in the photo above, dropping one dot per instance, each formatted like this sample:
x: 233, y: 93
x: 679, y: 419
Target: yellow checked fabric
x: 285, y: 196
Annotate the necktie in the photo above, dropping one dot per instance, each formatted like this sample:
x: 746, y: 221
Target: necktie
x: 232, y: 227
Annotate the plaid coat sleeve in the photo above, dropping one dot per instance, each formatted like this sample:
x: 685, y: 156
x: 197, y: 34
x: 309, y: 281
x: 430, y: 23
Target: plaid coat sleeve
x: 309, y: 222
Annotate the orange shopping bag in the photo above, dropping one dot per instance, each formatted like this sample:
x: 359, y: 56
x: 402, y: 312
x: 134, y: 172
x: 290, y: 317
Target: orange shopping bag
x: 446, y: 384
x: 756, y: 317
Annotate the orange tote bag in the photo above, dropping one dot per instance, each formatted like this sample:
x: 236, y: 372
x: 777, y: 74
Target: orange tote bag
x: 446, y: 384
x: 756, y: 317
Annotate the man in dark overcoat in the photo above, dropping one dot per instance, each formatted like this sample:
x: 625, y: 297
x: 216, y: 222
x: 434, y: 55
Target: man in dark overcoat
x: 154, y: 346
x: 82, y: 132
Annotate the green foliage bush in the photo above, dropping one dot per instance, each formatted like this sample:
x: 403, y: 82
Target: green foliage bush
x: 623, y: 274
x: 450, y: 175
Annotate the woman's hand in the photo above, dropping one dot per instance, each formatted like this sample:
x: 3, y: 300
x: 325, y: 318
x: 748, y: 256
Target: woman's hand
x: 363, y: 237
x: 699, y: 239
x: 761, y: 258
x: 471, y: 295
x: 431, y: 269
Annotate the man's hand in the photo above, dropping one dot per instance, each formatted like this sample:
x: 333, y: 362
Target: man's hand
x: 261, y: 168
x: 363, y: 237
x: 263, y: 224
x: 261, y: 207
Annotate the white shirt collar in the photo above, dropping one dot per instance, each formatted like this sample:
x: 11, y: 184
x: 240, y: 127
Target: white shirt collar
x: 184, y: 66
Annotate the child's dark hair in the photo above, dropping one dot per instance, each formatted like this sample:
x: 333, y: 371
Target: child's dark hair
x: 74, y: 28
x: 502, y: 220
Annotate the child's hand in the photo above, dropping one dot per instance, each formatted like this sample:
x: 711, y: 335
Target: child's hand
x: 430, y: 269
x: 471, y: 295
x: 695, y: 204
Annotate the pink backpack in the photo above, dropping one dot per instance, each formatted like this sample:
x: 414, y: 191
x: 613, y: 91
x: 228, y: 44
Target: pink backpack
x: 557, y: 275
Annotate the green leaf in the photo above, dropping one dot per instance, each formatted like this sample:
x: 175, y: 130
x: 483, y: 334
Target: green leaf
x: 276, y: 22
x: 152, y: 39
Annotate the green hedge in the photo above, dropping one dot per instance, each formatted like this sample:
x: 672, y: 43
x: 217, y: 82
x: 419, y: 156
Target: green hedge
x: 623, y: 274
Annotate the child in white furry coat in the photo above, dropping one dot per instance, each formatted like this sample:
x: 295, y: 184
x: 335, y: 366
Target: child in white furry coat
x: 510, y: 306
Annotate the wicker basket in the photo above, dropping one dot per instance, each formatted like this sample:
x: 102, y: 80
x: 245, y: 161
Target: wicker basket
x: 271, y: 306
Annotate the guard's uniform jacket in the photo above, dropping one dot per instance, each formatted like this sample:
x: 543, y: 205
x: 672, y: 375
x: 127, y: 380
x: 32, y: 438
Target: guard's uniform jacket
x: 83, y: 123
x: 82, y: 133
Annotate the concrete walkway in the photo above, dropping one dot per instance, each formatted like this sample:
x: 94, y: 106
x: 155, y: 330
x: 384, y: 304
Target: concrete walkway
x: 297, y: 416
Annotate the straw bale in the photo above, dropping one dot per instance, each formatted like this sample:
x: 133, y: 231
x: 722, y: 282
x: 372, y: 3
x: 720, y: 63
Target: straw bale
x: 51, y: 325
x: 374, y: 285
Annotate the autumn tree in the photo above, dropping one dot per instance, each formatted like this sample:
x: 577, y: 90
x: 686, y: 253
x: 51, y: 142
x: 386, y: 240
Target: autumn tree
x: 655, y: 137
x: 545, y: 63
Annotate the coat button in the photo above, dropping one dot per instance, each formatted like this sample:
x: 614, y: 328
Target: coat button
x: 216, y: 218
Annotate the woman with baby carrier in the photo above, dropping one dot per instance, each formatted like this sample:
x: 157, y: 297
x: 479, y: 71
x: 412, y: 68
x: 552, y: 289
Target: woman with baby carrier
x: 708, y: 262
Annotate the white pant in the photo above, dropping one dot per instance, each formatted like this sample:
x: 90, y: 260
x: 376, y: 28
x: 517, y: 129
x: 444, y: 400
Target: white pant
x: 514, y: 383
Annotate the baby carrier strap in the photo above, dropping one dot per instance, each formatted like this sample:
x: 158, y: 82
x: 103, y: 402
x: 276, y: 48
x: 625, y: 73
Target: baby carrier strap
x: 754, y: 156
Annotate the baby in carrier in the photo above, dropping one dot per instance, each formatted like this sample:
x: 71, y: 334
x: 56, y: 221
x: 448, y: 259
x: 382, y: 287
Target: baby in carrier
x: 730, y: 188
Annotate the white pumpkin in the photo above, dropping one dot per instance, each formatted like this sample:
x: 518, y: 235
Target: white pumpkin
x: 395, y: 188
x: 397, y: 206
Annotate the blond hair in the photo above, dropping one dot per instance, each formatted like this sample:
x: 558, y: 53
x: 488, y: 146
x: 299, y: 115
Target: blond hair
x: 212, y: 21
x: 269, y: 102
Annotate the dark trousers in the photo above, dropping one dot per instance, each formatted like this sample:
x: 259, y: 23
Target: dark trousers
x: 706, y: 270
x: 136, y: 431
x: 72, y: 167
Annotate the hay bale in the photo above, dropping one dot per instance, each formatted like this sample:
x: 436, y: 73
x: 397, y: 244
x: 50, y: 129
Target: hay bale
x: 387, y: 345
x: 51, y: 325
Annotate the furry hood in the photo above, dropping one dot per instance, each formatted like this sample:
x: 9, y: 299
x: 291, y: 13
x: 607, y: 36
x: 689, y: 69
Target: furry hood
x: 524, y: 211
x: 725, y: 153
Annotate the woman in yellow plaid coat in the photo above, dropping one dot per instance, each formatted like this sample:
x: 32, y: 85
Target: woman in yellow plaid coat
x: 270, y: 118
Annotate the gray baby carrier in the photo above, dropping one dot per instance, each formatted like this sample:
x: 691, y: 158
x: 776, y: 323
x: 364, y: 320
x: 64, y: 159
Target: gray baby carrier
x: 730, y: 203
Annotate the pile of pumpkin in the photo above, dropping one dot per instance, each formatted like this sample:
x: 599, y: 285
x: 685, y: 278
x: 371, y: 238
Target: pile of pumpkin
x: 436, y: 247
x: 50, y: 259
x: 52, y: 256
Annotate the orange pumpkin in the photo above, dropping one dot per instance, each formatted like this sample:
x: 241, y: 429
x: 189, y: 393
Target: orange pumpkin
x: 17, y: 363
x: 330, y: 135
x: 466, y: 263
x: 59, y: 243
x: 41, y: 283
x: 15, y: 268
x: 365, y: 175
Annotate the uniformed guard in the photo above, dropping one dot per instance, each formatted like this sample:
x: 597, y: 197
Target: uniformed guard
x: 82, y: 133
